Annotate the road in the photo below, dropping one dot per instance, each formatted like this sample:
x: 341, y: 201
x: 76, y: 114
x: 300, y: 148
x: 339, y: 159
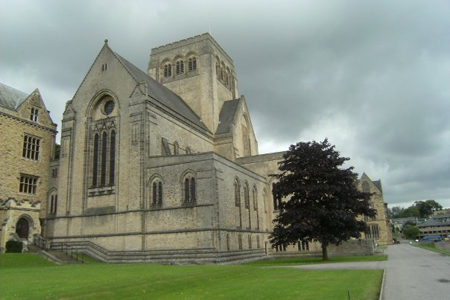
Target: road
x: 411, y: 273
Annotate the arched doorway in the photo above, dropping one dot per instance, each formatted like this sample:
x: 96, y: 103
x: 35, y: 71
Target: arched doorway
x: 23, y: 228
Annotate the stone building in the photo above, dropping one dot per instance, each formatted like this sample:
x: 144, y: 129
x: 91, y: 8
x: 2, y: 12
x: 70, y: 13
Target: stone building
x: 27, y: 142
x: 162, y: 165
x: 437, y: 224
x: 154, y: 166
x: 379, y: 227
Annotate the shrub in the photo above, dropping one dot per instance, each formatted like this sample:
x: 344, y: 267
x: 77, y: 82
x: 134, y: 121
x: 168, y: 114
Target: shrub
x: 14, y: 247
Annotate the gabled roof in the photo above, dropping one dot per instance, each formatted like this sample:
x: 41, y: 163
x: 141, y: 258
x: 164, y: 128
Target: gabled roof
x: 162, y: 94
x: 376, y: 183
x: 10, y: 97
x: 227, y: 114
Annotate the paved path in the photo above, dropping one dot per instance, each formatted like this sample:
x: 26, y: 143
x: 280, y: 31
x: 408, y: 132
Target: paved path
x: 411, y: 273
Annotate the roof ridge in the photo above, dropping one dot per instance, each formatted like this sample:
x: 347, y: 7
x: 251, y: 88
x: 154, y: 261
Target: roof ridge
x: 11, y: 97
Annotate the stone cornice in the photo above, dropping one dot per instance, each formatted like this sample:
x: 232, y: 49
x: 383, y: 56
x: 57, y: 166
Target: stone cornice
x: 30, y: 123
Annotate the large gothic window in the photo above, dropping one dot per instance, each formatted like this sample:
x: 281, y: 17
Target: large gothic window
x: 103, y: 144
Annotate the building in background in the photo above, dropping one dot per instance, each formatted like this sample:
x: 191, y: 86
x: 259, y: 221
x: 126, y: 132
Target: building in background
x: 27, y: 143
x: 379, y: 227
x: 154, y: 166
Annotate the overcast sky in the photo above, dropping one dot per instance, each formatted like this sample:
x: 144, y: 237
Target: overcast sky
x: 371, y: 76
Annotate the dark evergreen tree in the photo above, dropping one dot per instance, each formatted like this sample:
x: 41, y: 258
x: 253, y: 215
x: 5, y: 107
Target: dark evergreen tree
x: 322, y: 201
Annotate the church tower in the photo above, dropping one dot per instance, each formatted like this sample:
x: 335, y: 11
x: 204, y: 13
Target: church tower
x: 200, y: 72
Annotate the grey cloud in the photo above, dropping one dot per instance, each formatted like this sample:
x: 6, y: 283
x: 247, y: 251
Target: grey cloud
x: 371, y: 76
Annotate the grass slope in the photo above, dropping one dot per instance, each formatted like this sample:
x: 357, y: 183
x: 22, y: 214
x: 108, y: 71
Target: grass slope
x: 25, y: 278
x: 290, y: 261
x: 431, y: 247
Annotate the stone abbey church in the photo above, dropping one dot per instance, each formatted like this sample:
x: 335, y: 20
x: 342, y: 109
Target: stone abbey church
x: 154, y: 166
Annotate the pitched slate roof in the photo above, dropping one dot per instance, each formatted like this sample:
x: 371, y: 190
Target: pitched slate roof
x: 377, y: 183
x: 162, y: 94
x: 227, y: 114
x: 10, y: 97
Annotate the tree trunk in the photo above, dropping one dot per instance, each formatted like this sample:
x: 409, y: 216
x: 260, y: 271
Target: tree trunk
x: 324, y: 251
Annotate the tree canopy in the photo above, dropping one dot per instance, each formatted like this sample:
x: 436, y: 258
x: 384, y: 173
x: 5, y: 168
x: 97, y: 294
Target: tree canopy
x: 322, y: 202
x: 420, y: 209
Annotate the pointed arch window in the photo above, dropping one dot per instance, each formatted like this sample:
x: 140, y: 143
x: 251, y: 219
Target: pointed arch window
x: 176, y: 148
x: 365, y: 187
x: 255, y: 198
x: 246, y: 196
x: 104, y: 155
x: 276, y: 198
x: 237, y: 193
x: 53, y: 204
x: 190, y: 190
x: 112, y: 157
x: 103, y: 142
x: 95, y: 162
x: 157, y: 193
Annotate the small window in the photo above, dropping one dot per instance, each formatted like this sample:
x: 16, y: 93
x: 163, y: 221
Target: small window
x: 246, y: 196
x: 167, y: 70
x: 28, y: 184
x: 249, y: 242
x: 176, y: 148
x: 188, y: 150
x: 192, y: 64
x: 255, y: 199
x: 179, y: 67
x: 157, y: 192
x: 280, y: 248
x: 190, y: 196
x: 34, y: 116
x: 276, y: 199
x: 109, y: 107
x: 53, y: 204
x: 31, y: 147
x: 237, y: 193
x: 104, y: 67
x: 54, y: 173
x: 303, y: 246
x: 240, y: 241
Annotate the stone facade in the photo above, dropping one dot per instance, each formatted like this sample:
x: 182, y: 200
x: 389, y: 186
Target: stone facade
x: 158, y: 166
x: 379, y: 227
x: 28, y: 137
x: 143, y: 169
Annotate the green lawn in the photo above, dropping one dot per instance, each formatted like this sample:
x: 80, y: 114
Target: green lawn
x: 25, y: 276
x: 290, y: 261
x: 431, y: 247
